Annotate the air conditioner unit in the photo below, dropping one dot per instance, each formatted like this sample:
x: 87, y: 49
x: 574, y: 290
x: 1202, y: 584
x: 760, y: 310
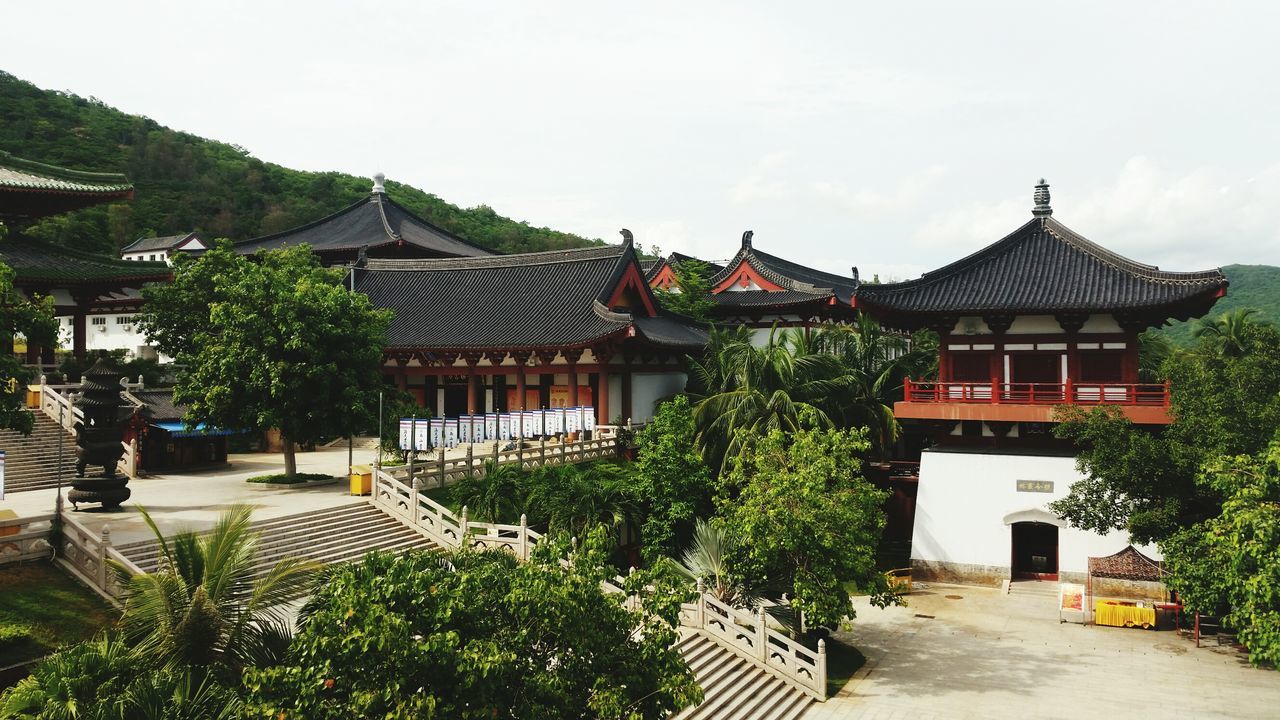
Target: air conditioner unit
x: 128, y: 328
x: 101, y: 328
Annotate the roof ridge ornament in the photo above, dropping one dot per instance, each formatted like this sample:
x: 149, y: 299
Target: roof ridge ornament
x: 378, y: 183
x: 628, y: 239
x: 1041, y: 197
x: 746, y: 239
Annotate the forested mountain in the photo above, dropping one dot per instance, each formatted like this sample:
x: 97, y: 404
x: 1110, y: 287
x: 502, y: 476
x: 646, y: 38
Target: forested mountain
x: 185, y: 183
x: 1252, y: 286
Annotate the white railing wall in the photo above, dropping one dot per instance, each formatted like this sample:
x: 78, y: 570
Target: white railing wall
x: 745, y: 634
x: 443, y: 470
x: 89, y: 555
x: 25, y: 539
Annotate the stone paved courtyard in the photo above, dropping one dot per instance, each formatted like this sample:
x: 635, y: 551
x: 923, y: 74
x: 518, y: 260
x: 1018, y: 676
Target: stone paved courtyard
x: 990, y: 655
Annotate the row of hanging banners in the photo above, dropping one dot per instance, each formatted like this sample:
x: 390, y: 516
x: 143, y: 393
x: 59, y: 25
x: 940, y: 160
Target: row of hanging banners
x: 491, y: 427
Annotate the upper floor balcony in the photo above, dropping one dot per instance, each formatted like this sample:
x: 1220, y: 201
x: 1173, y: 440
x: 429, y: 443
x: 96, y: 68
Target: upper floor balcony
x: 1000, y: 401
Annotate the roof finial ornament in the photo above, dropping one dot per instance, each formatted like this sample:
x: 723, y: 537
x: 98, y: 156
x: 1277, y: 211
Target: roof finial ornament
x: 856, y: 280
x: 627, y: 238
x: 746, y: 239
x: 1041, y: 198
x: 362, y: 257
x: 378, y: 180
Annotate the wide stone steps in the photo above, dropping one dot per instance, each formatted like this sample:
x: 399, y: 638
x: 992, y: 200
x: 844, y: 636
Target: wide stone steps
x: 337, y: 535
x: 31, y: 461
x: 734, y: 688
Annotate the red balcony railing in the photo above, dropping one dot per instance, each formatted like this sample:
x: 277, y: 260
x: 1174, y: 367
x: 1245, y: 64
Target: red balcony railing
x: 1071, y: 392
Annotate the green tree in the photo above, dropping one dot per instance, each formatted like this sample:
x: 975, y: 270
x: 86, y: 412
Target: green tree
x: 1146, y: 481
x: 671, y: 477
x: 207, y: 609
x: 707, y: 559
x: 692, y: 294
x: 1228, y: 333
x: 275, y: 341
x: 33, y: 319
x: 572, y: 499
x: 1229, y: 565
x: 807, y: 523
x: 752, y: 391
x: 480, y: 635
x: 496, y: 496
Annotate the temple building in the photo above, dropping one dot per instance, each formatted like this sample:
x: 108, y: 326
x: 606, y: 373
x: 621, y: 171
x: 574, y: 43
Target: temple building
x: 564, y: 328
x: 1039, y: 319
x: 87, y: 289
x: 758, y: 290
x: 162, y: 249
x: 376, y: 226
x: 661, y: 273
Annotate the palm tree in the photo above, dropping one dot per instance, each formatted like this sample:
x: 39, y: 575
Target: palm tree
x: 1228, y: 333
x: 1153, y: 349
x: 496, y: 496
x: 206, y: 607
x: 706, y: 559
x: 758, y: 389
x: 573, y: 498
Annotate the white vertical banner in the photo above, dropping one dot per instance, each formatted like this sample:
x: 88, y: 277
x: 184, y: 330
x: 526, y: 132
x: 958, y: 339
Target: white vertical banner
x: 406, y: 432
x: 572, y: 420
x: 553, y: 420
x: 504, y: 426
x: 422, y: 435
x: 490, y: 427
x: 437, y: 432
x: 588, y: 418
x: 451, y: 432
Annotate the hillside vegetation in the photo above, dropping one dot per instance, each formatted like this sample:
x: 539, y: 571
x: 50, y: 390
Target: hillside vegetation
x: 1252, y: 286
x: 185, y: 183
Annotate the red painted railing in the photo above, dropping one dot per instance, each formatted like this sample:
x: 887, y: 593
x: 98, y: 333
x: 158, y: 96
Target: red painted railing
x: 1068, y: 393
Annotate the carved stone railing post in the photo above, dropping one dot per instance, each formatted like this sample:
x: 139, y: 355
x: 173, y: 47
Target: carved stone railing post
x: 542, y: 453
x: 440, y: 466
x: 462, y: 527
x: 524, y: 537
x: 762, y: 637
x: 495, y: 453
x: 103, y: 547
x: 471, y: 468
x: 821, y: 676
x: 700, y: 613
x: 412, y: 505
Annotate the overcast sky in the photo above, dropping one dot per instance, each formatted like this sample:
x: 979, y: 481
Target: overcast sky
x: 892, y: 136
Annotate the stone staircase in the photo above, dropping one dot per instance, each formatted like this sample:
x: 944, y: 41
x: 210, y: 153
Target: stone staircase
x: 1034, y: 589
x: 734, y: 688
x: 336, y: 535
x: 31, y: 461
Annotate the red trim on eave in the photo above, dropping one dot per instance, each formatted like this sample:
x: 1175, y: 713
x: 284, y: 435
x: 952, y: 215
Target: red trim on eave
x: 665, y: 278
x: 632, y: 279
x: 1222, y: 292
x: 744, y: 275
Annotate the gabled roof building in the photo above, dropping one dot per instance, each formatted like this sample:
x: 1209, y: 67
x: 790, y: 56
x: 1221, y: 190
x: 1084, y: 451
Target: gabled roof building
x: 162, y: 249
x: 514, y: 332
x: 376, y: 226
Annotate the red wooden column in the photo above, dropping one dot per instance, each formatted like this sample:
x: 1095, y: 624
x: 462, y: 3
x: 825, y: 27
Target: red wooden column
x: 602, y: 354
x: 79, y: 332
x: 495, y: 359
x: 572, y: 357
x: 471, y: 360
x: 522, y: 360
x: 402, y: 379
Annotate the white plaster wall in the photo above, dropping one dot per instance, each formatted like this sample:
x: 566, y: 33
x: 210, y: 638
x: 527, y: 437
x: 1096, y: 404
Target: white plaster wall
x: 1036, y: 325
x: 964, y: 499
x: 115, y: 337
x: 615, y: 397
x: 648, y: 388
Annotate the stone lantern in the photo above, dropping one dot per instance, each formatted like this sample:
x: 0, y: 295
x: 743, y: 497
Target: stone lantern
x: 99, y: 438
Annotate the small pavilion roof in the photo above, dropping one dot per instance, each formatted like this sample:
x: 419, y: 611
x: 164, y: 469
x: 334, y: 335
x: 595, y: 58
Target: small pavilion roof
x: 652, y: 268
x: 376, y: 221
x: 156, y: 404
x: 36, y: 262
x: 1044, y: 267
x: 556, y: 299
x: 799, y: 279
x: 30, y: 190
x: 166, y: 243
x: 1128, y: 564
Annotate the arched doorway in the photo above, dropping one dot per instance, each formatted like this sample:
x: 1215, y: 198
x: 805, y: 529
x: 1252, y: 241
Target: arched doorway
x: 1034, y: 551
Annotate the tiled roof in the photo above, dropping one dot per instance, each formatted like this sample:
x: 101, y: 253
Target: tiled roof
x: 21, y: 174
x: 375, y: 221
x: 1128, y: 564
x: 763, y: 298
x: 1043, y: 267
x: 167, y: 242
x: 158, y: 405
x: 653, y: 267
x: 534, y: 300
x: 36, y: 260
x: 789, y: 275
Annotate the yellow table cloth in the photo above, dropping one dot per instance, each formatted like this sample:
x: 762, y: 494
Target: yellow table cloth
x: 1123, y: 615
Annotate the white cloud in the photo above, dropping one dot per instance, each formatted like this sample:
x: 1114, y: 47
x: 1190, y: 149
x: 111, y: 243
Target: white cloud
x: 761, y: 184
x: 872, y: 201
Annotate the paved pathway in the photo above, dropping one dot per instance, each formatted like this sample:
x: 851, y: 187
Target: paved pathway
x: 196, y: 500
x: 989, y: 655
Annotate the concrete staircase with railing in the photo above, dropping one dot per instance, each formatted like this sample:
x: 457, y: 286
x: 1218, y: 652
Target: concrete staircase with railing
x: 31, y: 461
x: 337, y: 535
x: 734, y: 688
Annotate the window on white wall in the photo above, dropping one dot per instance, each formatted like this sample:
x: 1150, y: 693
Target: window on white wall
x: 124, y: 320
x: 99, y: 321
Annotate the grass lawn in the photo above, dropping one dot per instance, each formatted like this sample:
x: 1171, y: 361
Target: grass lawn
x: 42, y: 608
x: 842, y: 662
x: 442, y: 495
